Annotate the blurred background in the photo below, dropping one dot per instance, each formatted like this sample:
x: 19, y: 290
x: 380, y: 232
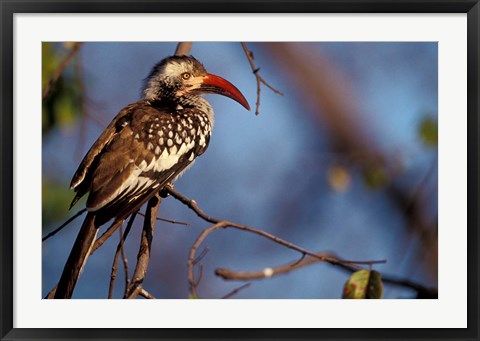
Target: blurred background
x: 345, y: 162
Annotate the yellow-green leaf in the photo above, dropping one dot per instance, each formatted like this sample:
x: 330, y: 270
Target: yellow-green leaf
x: 63, y: 104
x: 428, y: 132
x: 50, y: 62
x: 364, y: 284
x: 375, y: 177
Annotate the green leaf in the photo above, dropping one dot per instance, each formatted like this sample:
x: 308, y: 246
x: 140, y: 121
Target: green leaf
x: 428, y: 132
x: 63, y: 105
x: 49, y: 62
x: 363, y: 284
x: 375, y: 177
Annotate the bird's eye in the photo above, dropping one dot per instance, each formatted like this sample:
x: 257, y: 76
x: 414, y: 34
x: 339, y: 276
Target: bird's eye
x: 186, y: 75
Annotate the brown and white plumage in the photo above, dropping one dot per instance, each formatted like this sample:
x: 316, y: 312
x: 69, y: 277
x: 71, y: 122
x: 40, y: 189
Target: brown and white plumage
x: 146, y: 146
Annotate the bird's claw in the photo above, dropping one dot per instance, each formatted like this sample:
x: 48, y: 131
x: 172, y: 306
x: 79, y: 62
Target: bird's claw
x: 164, y: 191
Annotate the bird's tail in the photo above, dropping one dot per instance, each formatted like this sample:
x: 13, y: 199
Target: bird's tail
x: 77, y: 258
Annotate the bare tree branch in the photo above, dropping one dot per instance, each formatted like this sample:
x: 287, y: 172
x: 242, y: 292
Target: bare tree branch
x: 422, y: 291
x: 125, y: 265
x: 192, y: 204
x: 146, y: 294
x: 183, y: 48
x: 143, y: 257
x: 269, y: 272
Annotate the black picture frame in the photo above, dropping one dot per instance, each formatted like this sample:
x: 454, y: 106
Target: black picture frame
x: 10, y: 7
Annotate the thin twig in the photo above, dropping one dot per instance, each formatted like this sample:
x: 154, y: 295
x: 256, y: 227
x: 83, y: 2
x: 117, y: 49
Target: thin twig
x: 237, y: 290
x: 113, y: 274
x: 199, y: 277
x: 299, y: 260
x: 168, y: 220
x: 192, y: 204
x: 191, y: 257
x: 58, y: 72
x: 201, y: 255
x: 58, y: 229
x: 259, y: 79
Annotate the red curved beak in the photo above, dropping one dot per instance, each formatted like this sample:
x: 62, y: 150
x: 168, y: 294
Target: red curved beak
x: 218, y: 85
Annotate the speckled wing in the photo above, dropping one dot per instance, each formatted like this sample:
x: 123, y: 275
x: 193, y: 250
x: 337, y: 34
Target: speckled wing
x: 150, y: 146
x: 81, y: 179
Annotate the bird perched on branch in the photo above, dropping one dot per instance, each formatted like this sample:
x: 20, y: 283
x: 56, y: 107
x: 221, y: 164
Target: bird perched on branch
x: 146, y: 146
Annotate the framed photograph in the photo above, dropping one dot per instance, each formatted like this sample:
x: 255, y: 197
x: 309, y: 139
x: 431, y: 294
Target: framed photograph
x: 239, y: 170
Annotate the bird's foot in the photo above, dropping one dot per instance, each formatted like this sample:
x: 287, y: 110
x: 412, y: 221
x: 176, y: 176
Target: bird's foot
x: 164, y: 191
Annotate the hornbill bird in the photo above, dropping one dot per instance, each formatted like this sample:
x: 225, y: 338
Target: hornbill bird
x: 146, y: 146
